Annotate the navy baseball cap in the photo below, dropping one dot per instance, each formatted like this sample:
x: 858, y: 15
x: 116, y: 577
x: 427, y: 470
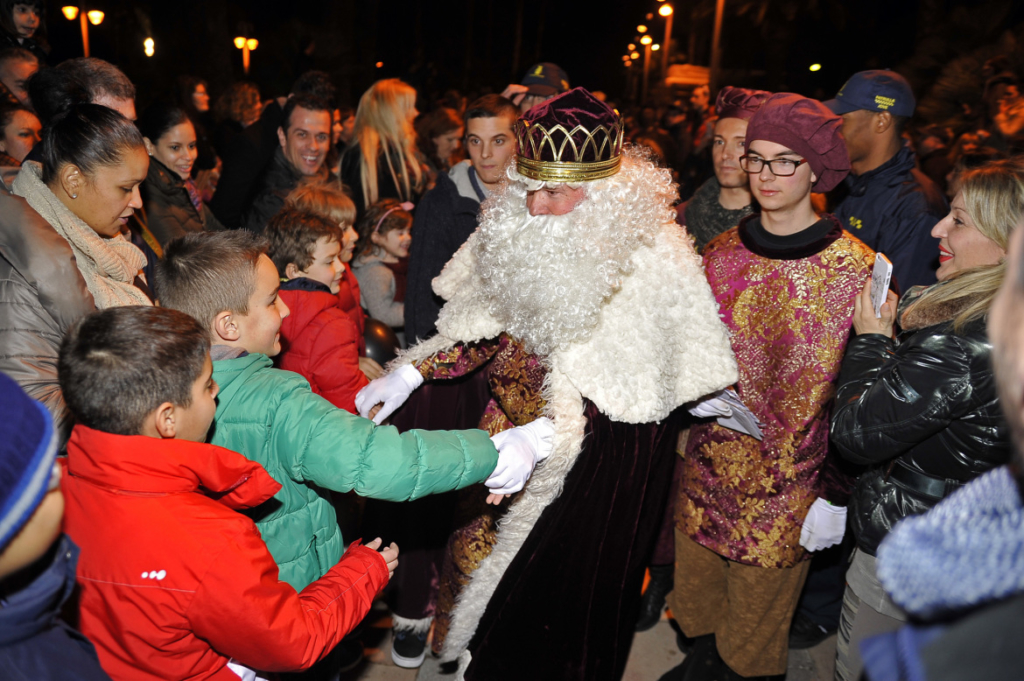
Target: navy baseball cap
x: 875, y: 91
x: 546, y: 79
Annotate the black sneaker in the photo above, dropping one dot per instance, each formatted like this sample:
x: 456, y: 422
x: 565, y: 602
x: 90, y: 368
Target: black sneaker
x: 804, y: 633
x: 408, y: 649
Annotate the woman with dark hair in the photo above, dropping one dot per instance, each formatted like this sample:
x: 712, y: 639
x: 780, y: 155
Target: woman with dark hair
x: 439, y: 136
x: 194, y: 97
x: 19, y: 133
x: 23, y: 24
x: 63, y: 252
x: 171, y: 203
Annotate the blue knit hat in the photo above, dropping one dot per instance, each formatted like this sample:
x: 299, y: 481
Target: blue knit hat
x: 28, y: 447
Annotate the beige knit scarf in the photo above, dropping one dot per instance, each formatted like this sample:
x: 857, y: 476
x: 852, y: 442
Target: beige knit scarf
x: 109, y: 266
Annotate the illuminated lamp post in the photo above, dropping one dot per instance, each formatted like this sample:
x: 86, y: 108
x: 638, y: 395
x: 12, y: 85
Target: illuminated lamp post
x: 646, y: 42
x: 666, y: 11
x: 246, y: 45
x: 93, y: 16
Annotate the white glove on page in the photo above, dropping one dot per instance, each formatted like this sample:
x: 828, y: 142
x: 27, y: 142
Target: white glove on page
x: 824, y: 526
x: 519, y: 450
x: 392, y: 390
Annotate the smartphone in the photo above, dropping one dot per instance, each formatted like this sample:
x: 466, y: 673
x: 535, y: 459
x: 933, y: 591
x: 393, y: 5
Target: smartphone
x: 880, y: 277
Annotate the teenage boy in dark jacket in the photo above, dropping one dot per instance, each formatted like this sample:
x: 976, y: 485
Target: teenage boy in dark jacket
x: 448, y: 213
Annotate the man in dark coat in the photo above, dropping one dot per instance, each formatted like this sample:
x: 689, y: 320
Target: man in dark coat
x: 448, y: 213
x: 886, y: 202
x: 305, y: 137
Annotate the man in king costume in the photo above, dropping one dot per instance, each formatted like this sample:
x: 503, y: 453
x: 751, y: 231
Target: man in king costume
x: 585, y: 303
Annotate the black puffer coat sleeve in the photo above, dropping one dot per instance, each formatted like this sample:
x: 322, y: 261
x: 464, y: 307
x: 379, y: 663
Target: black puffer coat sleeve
x: 890, y: 400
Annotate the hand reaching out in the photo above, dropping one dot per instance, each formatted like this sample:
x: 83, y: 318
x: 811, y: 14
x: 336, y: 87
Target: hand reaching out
x: 370, y: 368
x: 388, y: 553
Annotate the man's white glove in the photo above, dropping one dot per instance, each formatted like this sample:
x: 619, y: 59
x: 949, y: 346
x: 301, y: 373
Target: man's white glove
x: 391, y: 390
x: 824, y: 526
x: 519, y: 450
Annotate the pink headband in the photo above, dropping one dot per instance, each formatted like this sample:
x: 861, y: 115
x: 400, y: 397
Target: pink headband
x: 406, y: 206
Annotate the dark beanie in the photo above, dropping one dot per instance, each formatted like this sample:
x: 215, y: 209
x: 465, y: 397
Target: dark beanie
x: 27, y: 452
x: 807, y: 127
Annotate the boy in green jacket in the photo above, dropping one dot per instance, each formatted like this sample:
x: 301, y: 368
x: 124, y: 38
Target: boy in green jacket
x: 226, y: 281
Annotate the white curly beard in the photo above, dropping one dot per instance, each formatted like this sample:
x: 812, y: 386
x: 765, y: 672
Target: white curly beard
x: 547, y: 277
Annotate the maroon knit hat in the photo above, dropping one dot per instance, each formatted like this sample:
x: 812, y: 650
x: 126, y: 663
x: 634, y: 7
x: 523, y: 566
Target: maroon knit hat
x: 807, y: 127
x: 739, y: 102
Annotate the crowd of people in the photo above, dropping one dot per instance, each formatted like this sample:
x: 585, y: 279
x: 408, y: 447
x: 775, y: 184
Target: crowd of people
x: 554, y: 351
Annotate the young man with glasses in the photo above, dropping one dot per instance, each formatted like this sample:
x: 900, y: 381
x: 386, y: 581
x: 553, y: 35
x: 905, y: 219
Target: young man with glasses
x: 751, y: 510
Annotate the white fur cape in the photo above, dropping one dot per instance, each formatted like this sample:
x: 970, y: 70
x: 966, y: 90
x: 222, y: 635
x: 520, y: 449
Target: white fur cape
x: 659, y: 343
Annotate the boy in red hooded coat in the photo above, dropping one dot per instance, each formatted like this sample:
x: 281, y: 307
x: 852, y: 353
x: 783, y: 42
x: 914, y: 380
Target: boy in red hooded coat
x: 176, y: 584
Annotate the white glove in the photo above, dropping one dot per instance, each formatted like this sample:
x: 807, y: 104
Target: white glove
x: 824, y: 526
x: 391, y: 390
x: 519, y: 450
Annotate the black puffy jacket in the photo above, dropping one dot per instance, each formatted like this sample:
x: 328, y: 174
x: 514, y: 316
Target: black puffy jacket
x: 928, y: 405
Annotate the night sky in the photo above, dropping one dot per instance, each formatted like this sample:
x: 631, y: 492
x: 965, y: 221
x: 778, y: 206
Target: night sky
x: 469, y: 44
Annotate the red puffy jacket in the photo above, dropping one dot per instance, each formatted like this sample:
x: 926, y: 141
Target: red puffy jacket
x: 320, y: 343
x: 176, y: 584
x: 348, y: 297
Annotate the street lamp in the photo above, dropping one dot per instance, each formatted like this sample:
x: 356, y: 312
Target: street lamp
x: 93, y: 16
x: 666, y: 11
x: 646, y: 42
x: 641, y: 29
x: 246, y: 45
x: 148, y: 47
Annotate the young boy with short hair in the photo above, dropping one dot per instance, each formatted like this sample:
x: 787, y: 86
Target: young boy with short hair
x: 176, y: 583
x: 318, y: 339
x: 37, y: 562
x: 226, y: 281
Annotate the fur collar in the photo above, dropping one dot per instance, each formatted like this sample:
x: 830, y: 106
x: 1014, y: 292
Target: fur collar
x: 659, y: 343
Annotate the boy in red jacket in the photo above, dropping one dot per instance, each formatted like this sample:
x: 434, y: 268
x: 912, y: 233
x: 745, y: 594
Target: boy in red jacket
x: 175, y: 583
x: 319, y: 341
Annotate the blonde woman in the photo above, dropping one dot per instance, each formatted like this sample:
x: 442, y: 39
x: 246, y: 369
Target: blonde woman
x: 923, y: 413
x: 383, y: 162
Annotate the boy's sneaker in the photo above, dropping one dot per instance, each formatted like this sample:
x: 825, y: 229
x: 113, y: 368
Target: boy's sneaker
x: 409, y: 641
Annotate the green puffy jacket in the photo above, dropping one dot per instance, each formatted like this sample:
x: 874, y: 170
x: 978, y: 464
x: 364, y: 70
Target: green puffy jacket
x: 310, y: 446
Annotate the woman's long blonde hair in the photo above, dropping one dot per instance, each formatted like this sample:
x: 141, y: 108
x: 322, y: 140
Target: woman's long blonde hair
x: 382, y: 124
x: 993, y: 196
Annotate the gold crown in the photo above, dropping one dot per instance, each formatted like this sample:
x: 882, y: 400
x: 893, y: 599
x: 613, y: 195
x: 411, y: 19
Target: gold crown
x: 567, y: 149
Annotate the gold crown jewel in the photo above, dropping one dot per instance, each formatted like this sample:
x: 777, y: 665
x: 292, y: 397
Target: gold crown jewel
x: 568, y: 148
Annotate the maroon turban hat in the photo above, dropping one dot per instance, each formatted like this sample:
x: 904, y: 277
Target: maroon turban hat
x: 574, y: 137
x: 739, y: 102
x: 807, y: 127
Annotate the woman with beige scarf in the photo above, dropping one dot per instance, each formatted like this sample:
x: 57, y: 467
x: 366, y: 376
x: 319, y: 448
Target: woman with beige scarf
x: 62, y: 251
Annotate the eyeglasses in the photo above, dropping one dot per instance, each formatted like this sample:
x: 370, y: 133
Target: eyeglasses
x: 780, y: 167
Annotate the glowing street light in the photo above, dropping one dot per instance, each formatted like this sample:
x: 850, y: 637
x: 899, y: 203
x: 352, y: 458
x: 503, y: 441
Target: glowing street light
x: 666, y: 11
x: 646, y: 40
x: 94, y: 17
x: 641, y: 29
x: 149, y: 46
x: 655, y: 47
x: 631, y: 47
x: 246, y: 45
x: 815, y: 67
x: 634, y: 55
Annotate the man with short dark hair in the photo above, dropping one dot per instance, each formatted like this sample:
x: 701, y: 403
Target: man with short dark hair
x: 447, y: 214
x: 304, y: 137
x: 106, y: 84
x: 887, y: 203
x: 17, y: 66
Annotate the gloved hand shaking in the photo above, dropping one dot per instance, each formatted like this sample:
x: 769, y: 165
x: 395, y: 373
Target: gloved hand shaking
x: 391, y: 390
x: 824, y: 526
x: 519, y: 450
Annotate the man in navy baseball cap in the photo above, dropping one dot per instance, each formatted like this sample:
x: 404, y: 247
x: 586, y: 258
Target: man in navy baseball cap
x: 875, y: 91
x: 886, y: 202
